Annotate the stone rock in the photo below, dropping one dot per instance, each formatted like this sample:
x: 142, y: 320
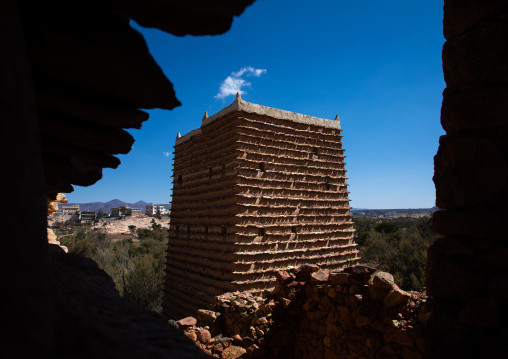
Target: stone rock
x: 52, y: 203
x: 260, y: 321
x: 499, y: 286
x: 462, y: 15
x: 496, y: 258
x: 282, y: 276
x: 285, y: 302
x: 237, y: 339
x: 339, y: 278
x: 191, y: 334
x: 226, y: 342
x: 470, y: 224
x: 355, y: 289
x: 352, y: 301
x: 409, y: 354
x: 475, y: 58
x: 321, y: 276
x: 207, y: 317
x: 446, y: 278
x: 362, y: 321
x: 218, y: 347
x: 377, y: 293
x: 173, y: 323
x: 303, y: 272
x: 247, y: 342
x: 474, y: 109
x: 309, y: 304
x: 187, y: 322
x: 382, y: 280
x: 483, y: 313
x: 254, y: 351
x: 360, y: 272
x: 233, y: 352
x: 203, y: 335
x: 399, y: 336
x: 460, y: 164
x: 378, y: 326
x: 281, y: 338
x: 396, y: 297
x: 369, y: 308
x: 453, y: 246
x: 54, y: 242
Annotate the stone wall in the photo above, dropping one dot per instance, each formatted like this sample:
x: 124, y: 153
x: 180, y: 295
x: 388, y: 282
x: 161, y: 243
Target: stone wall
x: 254, y: 192
x: 316, y: 314
x: 467, y: 275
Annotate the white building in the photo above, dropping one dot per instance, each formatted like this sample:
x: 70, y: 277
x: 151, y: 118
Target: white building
x: 153, y: 210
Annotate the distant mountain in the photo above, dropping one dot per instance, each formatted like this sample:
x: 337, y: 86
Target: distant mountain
x: 106, y: 206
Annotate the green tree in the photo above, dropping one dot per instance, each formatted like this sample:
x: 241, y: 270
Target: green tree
x: 397, y: 246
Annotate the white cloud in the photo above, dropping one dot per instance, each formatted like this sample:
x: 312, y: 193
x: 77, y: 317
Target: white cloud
x: 165, y: 154
x: 234, y: 83
x: 249, y: 71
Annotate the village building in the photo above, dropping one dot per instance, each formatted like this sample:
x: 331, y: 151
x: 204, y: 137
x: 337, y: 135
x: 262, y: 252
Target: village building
x: 154, y: 210
x: 134, y: 212
x: 256, y: 190
x: 70, y: 210
x: 88, y: 217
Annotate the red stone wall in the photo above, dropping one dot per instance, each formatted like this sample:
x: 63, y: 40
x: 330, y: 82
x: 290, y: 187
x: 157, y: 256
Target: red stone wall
x: 316, y: 314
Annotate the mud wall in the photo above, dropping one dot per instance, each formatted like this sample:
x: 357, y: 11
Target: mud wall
x: 252, y: 195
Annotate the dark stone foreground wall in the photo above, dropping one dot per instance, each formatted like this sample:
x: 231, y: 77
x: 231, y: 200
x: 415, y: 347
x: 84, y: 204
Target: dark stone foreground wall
x: 467, y: 269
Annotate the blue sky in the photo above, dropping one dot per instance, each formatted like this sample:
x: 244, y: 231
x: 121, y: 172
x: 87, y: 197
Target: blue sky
x: 375, y: 64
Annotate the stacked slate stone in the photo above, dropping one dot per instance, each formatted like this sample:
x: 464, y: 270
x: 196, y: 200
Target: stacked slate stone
x: 256, y: 190
x: 467, y: 268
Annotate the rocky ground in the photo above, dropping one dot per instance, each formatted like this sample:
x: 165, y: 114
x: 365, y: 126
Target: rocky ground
x: 121, y: 226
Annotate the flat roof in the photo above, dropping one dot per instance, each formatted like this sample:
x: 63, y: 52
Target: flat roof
x: 244, y: 106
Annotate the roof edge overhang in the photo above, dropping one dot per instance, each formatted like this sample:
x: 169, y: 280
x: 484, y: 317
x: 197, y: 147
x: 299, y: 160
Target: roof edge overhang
x: 240, y: 105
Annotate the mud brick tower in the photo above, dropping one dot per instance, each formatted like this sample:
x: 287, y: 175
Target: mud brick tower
x: 256, y: 190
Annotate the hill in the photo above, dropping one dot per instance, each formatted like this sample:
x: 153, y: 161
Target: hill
x: 401, y: 212
x: 106, y: 206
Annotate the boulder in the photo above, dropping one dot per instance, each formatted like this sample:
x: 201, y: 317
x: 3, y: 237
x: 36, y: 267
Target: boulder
x: 321, y: 276
x: 233, y: 352
x: 396, y: 297
x: 382, y: 280
x: 303, y: 272
x: 187, y: 322
x: 203, y: 335
x: 207, y: 317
